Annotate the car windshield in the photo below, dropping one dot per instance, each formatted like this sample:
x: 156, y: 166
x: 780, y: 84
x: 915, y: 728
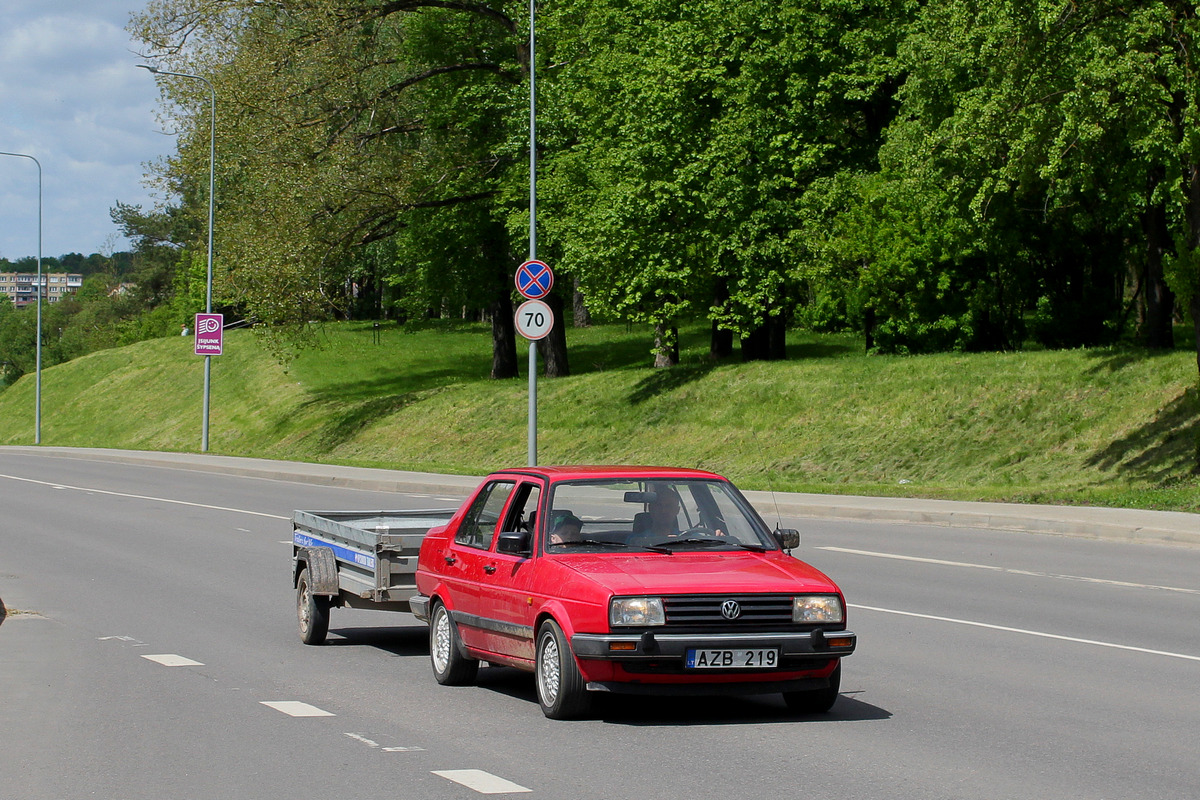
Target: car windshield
x: 666, y: 516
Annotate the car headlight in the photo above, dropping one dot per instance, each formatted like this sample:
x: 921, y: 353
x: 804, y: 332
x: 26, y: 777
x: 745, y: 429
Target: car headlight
x: 636, y: 611
x: 818, y: 608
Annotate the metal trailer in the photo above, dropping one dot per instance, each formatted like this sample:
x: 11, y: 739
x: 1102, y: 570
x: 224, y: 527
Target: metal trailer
x: 361, y: 559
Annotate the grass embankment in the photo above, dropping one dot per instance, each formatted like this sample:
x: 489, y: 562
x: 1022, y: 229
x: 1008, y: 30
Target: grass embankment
x: 1107, y: 427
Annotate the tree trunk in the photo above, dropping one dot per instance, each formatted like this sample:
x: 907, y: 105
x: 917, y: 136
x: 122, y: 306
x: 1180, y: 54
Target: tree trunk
x: 1193, y: 221
x: 504, y: 336
x: 666, y: 346
x: 720, y: 342
x: 553, y: 349
x: 754, y: 345
x: 582, y: 317
x: 1195, y: 308
x: 1158, y: 300
x: 777, y: 338
x: 766, y: 342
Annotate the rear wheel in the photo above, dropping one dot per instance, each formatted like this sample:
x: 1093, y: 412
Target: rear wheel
x: 816, y: 701
x: 561, y: 691
x: 312, y: 611
x: 450, y: 666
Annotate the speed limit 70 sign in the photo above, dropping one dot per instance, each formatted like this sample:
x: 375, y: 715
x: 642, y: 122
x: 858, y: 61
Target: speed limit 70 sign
x: 534, y: 319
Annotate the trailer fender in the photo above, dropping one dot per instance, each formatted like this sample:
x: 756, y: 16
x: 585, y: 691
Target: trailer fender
x: 322, y: 569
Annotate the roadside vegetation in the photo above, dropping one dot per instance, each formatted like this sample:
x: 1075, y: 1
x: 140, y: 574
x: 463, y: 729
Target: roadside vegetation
x: 936, y: 248
x: 1103, y: 426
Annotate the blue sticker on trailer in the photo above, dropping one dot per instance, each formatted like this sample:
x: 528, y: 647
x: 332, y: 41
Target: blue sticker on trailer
x: 340, y: 552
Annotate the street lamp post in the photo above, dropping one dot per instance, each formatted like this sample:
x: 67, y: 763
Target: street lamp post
x: 212, y: 166
x: 37, y: 403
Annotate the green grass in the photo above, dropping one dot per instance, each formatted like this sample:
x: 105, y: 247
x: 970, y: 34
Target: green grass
x: 1112, y: 427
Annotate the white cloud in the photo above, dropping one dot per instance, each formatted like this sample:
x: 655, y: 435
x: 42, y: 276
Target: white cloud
x: 71, y: 97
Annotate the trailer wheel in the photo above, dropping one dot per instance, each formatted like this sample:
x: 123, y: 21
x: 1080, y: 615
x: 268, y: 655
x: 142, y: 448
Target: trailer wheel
x: 450, y: 666
x: 312, y: 611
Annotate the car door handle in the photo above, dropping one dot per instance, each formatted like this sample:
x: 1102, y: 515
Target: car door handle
x: 490, y: 569
x: 451, y: 559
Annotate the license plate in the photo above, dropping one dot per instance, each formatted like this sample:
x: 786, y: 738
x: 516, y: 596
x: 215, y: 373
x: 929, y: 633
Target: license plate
x: 749, y: 658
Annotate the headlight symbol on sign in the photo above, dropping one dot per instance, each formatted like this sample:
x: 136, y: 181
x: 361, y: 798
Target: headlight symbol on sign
x: 208, y: 325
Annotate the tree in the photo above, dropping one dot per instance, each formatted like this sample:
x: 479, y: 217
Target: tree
x: 690, y: 136
x: 1046, y: 129
x: 349, y: 122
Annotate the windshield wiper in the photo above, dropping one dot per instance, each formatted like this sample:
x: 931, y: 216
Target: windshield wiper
x: 596, y: 542
x: 669, y: 543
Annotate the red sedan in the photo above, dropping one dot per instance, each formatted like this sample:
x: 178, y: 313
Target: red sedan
x: 628, y: 579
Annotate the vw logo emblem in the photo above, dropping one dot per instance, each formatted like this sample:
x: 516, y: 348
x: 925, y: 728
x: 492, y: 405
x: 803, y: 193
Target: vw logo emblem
x: 730, y: 609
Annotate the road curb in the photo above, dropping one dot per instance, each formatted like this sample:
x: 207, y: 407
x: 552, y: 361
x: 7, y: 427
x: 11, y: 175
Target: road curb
x: 1111, y: 524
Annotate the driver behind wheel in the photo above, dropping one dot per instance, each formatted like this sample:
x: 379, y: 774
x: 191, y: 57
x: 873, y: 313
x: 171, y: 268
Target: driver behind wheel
x: 565, y: 527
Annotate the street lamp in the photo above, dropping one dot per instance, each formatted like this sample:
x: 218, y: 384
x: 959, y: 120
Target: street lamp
x: 37, y: 403
x: 212, y: 165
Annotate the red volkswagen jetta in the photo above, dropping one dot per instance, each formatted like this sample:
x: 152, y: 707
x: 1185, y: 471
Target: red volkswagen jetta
x: 628, y: 579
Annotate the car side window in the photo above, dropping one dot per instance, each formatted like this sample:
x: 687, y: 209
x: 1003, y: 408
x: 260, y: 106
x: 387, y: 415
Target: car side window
x: 523, y: 514
x: 479, y: 525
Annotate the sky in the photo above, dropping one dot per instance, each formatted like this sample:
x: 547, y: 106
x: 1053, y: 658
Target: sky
x: 72, y: 97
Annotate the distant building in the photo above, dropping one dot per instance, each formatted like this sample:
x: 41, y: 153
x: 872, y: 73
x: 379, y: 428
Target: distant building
x: 21, y: 287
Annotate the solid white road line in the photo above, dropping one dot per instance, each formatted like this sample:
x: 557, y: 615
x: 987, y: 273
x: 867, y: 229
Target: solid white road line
x: 143, y: 497
x: 992, y: 568
x: 480, y: 781
x: 1039, y: 634
x: 294, y: 708
x: 172, y: 660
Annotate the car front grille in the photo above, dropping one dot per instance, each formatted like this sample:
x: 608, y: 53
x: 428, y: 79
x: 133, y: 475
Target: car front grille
x: 753, y: 612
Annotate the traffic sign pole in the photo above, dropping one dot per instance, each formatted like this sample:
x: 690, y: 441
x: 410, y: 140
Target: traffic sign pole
x: 532, y: 229
x: 532, y: 435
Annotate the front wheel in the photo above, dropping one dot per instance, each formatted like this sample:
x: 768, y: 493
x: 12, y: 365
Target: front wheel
x: 816, y: 701
x: 450, y: 666
x: 561, y: 691
x: 311, y: 610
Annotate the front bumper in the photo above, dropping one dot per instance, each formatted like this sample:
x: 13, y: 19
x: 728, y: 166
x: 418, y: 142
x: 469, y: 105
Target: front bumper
x: 654, y: 663
x: 796, y: 649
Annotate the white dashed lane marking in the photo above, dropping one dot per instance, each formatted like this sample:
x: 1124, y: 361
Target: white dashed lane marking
x: 172, y: 660
x: 480, y: 781
x: 358, y: 737
x: 294, y: 708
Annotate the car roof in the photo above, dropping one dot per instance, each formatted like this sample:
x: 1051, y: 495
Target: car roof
x: 602, y: 472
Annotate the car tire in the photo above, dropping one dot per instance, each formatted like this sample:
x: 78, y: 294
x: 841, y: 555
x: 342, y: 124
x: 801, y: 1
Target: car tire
x: 561, y: 691
x: 450, y: 666
x: 816, y: 701
x: 312, y: 611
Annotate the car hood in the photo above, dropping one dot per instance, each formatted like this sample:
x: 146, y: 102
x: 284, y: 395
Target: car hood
x: 699, y: 573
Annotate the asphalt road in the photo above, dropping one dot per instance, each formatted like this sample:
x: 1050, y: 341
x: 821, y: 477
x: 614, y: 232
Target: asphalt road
x: 151, y: 621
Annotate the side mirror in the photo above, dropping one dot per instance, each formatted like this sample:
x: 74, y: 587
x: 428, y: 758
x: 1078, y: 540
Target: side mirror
x: 514, y: 543
x: 788, y: 538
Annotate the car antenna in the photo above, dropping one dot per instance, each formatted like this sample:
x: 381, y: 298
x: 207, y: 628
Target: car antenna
x: 771, y: 487
x: 775, y: 501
